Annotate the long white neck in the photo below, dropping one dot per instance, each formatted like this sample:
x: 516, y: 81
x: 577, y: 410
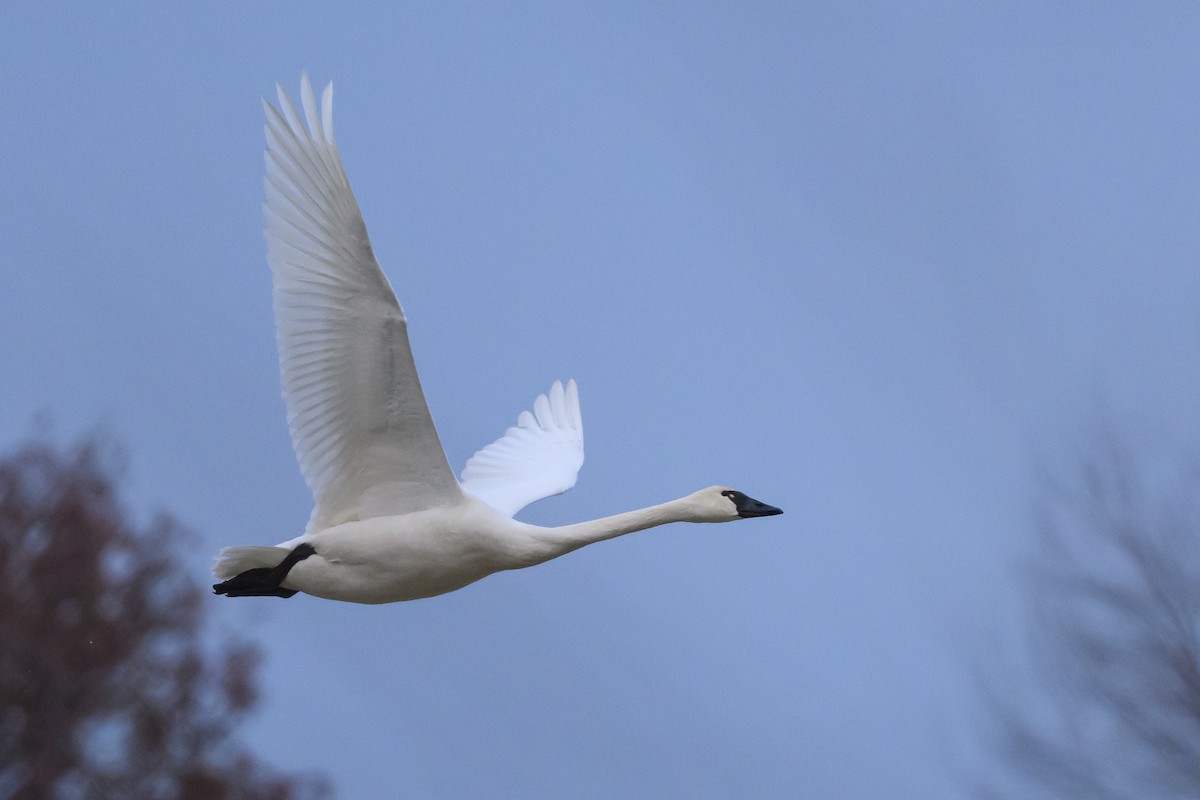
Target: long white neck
x: 548, y: 543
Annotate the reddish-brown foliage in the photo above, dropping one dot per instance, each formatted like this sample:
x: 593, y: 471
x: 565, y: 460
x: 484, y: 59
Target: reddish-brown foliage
x: 106, y: 689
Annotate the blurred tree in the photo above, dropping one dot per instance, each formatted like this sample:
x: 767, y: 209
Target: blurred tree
x: 1115, y: 638
x: 106, y: 690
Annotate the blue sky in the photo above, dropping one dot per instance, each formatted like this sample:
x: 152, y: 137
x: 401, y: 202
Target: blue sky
x: 868, y: 262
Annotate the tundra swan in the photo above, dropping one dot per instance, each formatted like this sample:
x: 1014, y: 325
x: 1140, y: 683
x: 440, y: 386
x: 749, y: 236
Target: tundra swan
x: 390, y: 520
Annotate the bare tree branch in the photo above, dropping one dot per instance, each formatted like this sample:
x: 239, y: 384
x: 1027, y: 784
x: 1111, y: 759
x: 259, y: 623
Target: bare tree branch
x: 1113, y: 638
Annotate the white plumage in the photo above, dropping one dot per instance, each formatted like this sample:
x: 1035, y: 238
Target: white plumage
x: 360, y: 427
x: 537, y: 458
x: 390, y: 521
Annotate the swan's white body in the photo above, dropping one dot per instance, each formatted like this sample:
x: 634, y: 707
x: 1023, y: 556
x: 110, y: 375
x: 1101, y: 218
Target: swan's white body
x: 391, y: 522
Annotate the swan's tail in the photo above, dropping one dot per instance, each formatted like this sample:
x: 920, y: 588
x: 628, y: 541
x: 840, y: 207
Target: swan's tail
x: 236, y: 560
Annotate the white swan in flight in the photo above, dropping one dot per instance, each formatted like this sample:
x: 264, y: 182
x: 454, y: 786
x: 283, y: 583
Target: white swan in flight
x: 391, y: 522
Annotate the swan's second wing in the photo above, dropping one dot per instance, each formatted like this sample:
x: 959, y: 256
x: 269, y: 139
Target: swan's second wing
x: 361, y: 429
x: 538, y: 458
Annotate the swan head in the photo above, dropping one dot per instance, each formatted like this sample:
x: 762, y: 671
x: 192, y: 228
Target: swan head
x: 723, y: 504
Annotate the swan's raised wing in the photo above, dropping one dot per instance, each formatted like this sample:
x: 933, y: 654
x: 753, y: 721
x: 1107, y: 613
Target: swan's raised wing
x: 538, y: 458
x: 361, y: 429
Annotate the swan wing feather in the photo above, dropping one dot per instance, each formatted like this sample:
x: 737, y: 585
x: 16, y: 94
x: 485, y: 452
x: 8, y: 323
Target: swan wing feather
x: 359, y: 423
x: 540, y: 456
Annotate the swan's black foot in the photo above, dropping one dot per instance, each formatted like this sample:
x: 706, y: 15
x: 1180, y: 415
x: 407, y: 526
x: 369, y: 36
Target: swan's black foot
x: 258, y: 582
x: 264, y: 581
